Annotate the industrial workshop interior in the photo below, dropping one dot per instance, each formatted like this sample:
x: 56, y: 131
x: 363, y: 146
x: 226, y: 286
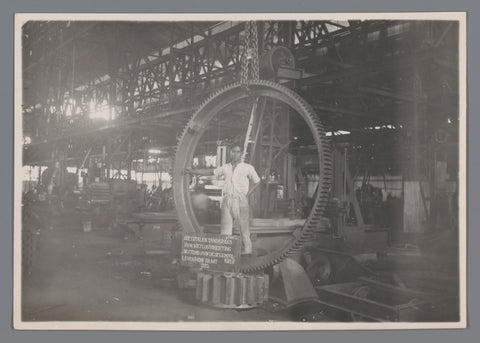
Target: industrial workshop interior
x: 229, y: 171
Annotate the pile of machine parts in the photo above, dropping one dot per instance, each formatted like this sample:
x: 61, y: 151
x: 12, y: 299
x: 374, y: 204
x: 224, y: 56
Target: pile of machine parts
x: 105, y: 202
x: 160, y: 200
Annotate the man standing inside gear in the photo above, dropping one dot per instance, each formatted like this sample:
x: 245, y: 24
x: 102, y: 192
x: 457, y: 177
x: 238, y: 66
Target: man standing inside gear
x: 235, y: 209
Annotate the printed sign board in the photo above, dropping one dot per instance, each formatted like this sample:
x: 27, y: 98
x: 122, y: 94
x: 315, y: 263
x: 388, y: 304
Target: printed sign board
x: 210, y: 251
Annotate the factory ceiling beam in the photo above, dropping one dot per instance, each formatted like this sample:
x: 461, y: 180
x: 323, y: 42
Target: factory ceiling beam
x: 322, y: 108
x: 63, y: 44
x: 117, y: 125
x: 408, y: 98
x: 357, y: 72
x: 161, y: 86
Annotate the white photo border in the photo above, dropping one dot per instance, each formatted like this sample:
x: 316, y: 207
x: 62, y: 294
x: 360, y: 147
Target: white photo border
x: 21, y: 18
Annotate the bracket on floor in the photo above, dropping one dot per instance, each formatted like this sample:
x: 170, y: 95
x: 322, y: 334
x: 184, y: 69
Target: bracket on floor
x: 292, y: 285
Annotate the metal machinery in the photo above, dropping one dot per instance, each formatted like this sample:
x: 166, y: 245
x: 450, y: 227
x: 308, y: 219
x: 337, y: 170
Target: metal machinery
x: 260, y: 92
x: 196, y: 127
x: 186, y: 147
x: 301, y: 270
x: 110, y: 201
x: 356, y: 75
x: 328, y: 278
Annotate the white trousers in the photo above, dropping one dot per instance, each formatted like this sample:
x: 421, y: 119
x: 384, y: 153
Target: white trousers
x: 236, y: 212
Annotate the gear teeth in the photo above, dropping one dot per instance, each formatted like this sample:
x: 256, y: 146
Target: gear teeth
x: 324, y: 150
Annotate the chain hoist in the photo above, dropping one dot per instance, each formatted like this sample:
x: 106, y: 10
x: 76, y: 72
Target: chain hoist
x: 250, y: 65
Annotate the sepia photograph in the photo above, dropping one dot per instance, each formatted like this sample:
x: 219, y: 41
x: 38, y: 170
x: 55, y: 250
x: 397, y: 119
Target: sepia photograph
x: 240, y: 171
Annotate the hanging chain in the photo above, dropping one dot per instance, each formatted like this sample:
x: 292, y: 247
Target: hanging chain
x: 254, y: 48
x: 244, y: 58
x: 250, y: 66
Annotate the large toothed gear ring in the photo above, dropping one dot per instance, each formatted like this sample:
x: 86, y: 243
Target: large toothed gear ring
x: 198, y: 124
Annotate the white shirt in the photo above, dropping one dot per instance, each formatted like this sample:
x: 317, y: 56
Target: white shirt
x: 236, y: 180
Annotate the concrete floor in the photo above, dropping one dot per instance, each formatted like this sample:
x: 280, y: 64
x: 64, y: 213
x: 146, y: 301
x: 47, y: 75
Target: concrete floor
x: 99, y: 276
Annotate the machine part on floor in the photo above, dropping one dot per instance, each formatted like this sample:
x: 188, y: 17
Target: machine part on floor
x: 231, y: 290
x: 110, y: 201
x: 197, y: 125
x: 98, y: 193
x: 318, y: 268
x: 162, y: 221
x: 312, y: 317
x: 325, y: 266
x: 370, y: 300
x: 363, y: 292
x: 311, y: 311
x: 292, y: 286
